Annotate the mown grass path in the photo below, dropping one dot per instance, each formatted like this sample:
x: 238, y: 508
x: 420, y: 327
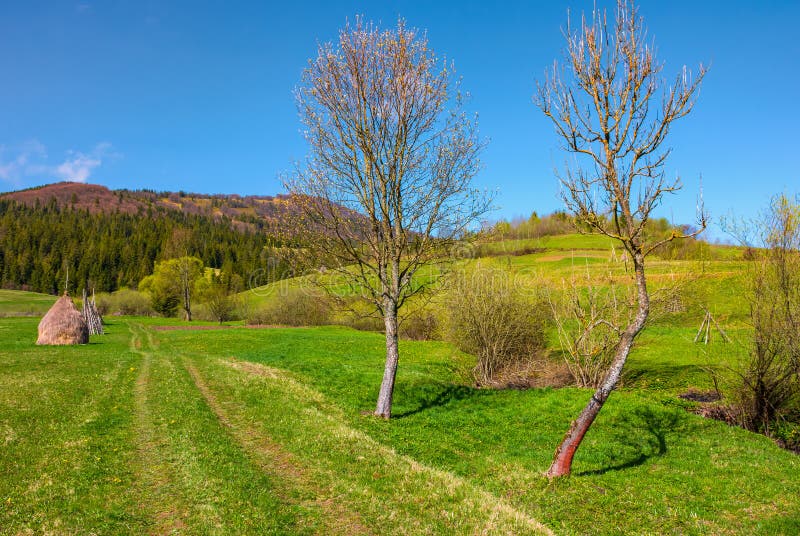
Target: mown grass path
x: 192, y: 476
x: 335, y: 516
x: 152, y: 473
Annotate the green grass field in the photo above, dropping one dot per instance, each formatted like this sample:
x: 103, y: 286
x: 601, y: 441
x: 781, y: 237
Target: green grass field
x: 20, y: 303
x: 715, y: 284
x: 260, y: 431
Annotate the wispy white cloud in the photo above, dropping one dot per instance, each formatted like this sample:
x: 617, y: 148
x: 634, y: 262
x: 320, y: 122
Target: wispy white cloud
x: 77, y: 167
x: 30, y: 161
x: 17, y: 161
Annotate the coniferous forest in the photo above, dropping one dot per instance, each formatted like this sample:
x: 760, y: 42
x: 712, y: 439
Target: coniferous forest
x: 40, y: 244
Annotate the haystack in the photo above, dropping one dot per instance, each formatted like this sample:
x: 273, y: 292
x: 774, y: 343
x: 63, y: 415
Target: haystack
x: 63, y: 324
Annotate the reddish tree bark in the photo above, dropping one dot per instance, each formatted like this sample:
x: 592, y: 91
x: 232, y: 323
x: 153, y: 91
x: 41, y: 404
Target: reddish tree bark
x: 562, y: 462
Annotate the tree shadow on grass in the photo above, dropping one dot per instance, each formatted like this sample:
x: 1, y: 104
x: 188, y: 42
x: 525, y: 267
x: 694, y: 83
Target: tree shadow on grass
x: 654, y: 374
x: 439, y: 395
x: 642, y: 434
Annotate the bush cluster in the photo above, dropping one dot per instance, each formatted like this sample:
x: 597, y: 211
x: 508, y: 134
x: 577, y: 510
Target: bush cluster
x: 295, y: 307
x: 124, y: 301
x: 491, y: 317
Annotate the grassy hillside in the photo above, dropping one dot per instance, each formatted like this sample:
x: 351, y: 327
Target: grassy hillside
x: 665, y: 356
x: 259, y: 431
x: 571, y: 242
x: 21, y: 303
x: 713, y: 283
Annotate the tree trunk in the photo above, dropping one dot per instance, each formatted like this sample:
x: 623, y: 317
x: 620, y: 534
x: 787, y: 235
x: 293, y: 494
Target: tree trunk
x: 384, y: 406
x: 187, y: 304
x: 562, y: 462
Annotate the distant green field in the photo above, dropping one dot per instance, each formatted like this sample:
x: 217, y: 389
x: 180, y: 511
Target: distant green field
x: 715, y: 284
x: 552, y: 243
x: 598, y: 244
x: 259, y: 431
x: 21, y: 303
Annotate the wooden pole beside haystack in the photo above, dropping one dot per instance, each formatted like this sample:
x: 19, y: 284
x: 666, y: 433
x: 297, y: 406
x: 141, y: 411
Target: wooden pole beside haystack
x: 91, y: 315
x: 98, y: 318
x: 63, y: 324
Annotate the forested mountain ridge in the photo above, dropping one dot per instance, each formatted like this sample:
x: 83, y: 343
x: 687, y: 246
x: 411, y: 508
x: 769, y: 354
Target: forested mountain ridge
x: 270, y: 211
x: 110, y: 239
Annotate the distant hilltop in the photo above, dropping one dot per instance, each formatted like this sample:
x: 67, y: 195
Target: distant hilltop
x: 95, y: 198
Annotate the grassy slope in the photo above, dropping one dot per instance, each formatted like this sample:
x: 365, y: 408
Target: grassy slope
x: 180, y: 432
x: 259, y: 431
x: 713, y: 283
x: 646, y: 464
x: 21, y: 303
x: 665, y: 356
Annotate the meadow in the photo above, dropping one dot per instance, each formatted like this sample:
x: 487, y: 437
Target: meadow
x: 266, y: 431
x: 21, y: 303
x: 263, y: 431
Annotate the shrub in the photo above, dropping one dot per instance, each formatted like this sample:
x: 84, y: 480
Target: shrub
x: 165, y: 304
x: 295, y: 307
x: 787, y: 434
x: 368, y: 322
x: 767, y: 390
x: 220, y: 296
x: 124, y: 301
x: 490, y: 316
x: 419, y: 326
x: 359, y: 314
x: 207, y: 314
x: 587, y: 315
x: 535, y: 227
x: 535, y: 373
x: 684, y: 249
x: 103, y: 301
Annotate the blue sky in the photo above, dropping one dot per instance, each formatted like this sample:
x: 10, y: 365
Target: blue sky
x: 197, y: 96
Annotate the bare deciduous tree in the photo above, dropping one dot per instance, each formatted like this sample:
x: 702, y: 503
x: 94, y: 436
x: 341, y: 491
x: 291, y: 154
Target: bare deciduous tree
x: 387, y: 183
x: 605, y: 106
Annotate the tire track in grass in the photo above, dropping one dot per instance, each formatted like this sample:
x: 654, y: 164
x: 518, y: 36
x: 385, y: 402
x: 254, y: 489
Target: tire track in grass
x: 210, y: 485
x: 276, y: 461
x: 153, y: 473
x: 500, y: 517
